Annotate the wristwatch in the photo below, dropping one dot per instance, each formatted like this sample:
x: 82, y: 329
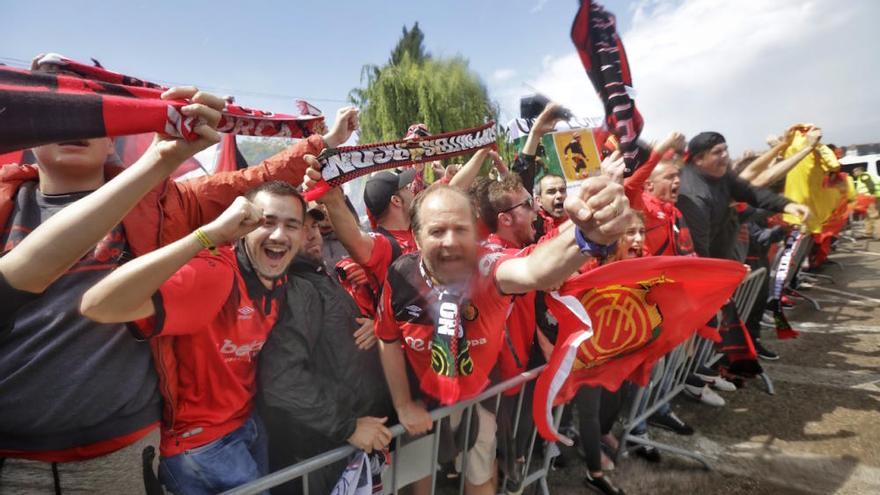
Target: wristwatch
x: 591, y: 248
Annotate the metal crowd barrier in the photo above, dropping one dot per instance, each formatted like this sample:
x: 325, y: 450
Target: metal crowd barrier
x: 669, y: 375
x: 417, y: 459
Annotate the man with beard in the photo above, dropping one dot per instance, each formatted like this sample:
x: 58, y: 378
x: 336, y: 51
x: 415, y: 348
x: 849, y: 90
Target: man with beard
x: 442, y: 312
x: 550, y: 194
x: 219, y: 305
x: 321, y: 382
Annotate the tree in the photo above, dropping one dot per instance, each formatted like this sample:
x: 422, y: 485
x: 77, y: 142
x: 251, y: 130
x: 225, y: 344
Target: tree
x: 412, y: 43
x: 442, y: 93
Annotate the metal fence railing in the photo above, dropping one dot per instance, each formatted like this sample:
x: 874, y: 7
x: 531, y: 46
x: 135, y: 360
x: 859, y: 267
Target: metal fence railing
x: 417, y: 459
x: 670, y: 373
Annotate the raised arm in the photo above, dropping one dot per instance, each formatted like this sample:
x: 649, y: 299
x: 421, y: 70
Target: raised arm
x: 51, y: 249
x: 599, y: 210
x: 358, y: 243
x: 126, y: 294
x: 201, y: 200
x: 781, y: 169
x: 468, y: 172
x: 525, y: 162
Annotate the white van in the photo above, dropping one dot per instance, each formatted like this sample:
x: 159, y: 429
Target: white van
x: 871, y: 164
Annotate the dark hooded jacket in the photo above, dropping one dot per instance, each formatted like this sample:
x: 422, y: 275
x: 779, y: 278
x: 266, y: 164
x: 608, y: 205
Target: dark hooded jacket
x: 314, y: 381
x: 705, y: 203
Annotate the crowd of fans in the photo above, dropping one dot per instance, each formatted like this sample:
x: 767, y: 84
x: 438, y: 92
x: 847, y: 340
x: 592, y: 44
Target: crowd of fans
x: 238, y: 329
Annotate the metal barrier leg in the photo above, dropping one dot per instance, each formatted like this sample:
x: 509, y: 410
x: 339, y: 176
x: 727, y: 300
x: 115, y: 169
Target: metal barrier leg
x: 768, y: 383
x: 814, y: 303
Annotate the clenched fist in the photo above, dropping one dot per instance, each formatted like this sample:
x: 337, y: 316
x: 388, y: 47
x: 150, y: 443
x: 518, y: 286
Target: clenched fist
x: 240, y: 218
x: 599, y: 209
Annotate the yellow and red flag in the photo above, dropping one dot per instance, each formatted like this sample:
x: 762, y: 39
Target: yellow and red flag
x: 616, y: 321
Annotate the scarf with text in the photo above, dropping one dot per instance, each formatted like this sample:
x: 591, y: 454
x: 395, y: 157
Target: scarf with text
x: 450, y: 356
x: 785, y: 273
x: 346, y: 163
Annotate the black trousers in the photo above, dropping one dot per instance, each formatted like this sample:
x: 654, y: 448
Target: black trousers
x: 597, y: 411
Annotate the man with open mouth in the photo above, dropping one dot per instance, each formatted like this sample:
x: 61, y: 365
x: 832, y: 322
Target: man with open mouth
x: 219, y: 303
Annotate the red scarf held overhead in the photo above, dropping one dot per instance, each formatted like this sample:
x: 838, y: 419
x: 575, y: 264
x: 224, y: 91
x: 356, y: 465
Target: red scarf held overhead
x: 41, y: 108
x: 594, y: 34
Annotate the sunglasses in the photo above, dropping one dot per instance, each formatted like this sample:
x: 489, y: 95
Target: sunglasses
x: 528, y: 202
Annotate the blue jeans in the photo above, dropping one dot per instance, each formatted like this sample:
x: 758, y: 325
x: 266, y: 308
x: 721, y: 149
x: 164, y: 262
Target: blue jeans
x: 236, y: 458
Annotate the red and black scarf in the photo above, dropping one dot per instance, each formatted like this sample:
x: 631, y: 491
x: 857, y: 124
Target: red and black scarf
x: 346, y: 163
x: 41, y: 108
x: 594, y: 34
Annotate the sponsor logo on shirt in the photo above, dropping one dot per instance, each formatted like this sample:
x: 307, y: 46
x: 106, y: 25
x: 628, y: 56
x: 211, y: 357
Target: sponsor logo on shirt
x: 245, y: 313
x: 414, y: 310
x: 240, y: 352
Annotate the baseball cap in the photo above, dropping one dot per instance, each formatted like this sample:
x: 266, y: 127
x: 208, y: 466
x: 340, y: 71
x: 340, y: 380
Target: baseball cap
x: 315, y: 211
x: 383, y: 185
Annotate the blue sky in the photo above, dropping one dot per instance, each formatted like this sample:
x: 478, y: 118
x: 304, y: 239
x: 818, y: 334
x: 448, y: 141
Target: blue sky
x: 744, y: 67
x: 307, y: 49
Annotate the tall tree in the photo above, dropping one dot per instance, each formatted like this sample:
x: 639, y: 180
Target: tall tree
x: 412, y: 43
x: 442, y: 93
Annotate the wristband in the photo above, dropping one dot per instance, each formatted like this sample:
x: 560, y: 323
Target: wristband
x: 591, y: 248
x: 207, y: 242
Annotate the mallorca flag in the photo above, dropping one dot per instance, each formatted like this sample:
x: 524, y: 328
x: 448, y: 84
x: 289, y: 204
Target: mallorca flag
x: 616, y: 321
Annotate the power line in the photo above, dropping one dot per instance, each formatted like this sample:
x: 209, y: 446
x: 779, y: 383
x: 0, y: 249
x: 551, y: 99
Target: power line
x: 17, y: 62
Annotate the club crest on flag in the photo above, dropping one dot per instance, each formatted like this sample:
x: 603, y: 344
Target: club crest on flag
x: 623, y: 321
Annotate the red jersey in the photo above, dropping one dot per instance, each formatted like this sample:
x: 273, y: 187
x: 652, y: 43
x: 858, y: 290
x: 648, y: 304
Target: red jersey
x: 409, y: 307
x: 666, y: 233
x: 220, y: 314
x: 381, y: 257
x: 519, y: 329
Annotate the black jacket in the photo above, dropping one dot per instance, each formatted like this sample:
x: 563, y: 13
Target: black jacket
x: 314, y: 381
x: 705, y: 203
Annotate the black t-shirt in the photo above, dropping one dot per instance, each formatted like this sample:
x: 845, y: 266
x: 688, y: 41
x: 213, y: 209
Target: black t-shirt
x: 11, y: 300
x: 67, y: 381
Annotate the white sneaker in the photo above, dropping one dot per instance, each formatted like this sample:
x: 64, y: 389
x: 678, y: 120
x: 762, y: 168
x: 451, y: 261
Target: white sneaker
x: 717, y: 382
x: 705, y: 395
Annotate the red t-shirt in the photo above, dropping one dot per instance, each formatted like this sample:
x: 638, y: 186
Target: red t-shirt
x: 407, y: 313
x: 367, y: 295
x: 219, y: 319
x: 519, y: 329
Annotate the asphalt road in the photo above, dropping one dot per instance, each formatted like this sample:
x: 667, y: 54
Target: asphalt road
x: 820, y: 433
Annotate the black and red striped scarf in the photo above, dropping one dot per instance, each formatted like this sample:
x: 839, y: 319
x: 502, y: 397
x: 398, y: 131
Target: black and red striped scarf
x: 594, y: 34
x: 40, y: 108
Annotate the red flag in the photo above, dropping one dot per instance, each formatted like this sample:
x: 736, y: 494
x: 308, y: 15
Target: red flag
x: 229, y: 158
x: 616, y: 321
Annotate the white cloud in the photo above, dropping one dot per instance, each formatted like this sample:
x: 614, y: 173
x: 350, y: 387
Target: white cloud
x: 503, y: 75
x: 745, y: 68
x: 539, y: 5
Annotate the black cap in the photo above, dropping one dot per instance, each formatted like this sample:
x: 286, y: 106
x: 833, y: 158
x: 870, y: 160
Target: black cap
x: 703, y: 141
x: 383, y: 185
x: 315, y: 211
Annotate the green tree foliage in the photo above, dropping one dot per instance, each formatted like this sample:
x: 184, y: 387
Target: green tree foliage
x: 411, y: 43
x: 413, y: 86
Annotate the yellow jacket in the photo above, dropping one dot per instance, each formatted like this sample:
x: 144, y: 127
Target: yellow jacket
x: 805, y: 183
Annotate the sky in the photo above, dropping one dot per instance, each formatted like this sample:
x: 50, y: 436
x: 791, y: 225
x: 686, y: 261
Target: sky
x: 745, y: 68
